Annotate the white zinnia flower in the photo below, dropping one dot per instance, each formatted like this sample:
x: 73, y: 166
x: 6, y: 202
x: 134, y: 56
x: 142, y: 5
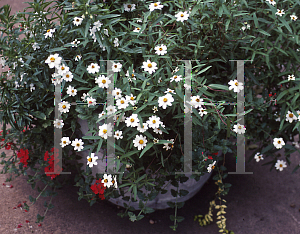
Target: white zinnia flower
x: 107, y: 180
x: 196, y: 101
x: 118, y: 135
x: 93, y: 68
x: 32, y: 87
x: 116, y: 67
x: 211, y: 167
x: 91, y: 160
x: 129, y: 7
x: 293, y: 17
x: 170, y: 91
x: 62, y: 69
x: 258, y: 157
x: 182, y: 16
x: 169, y: 145
x: 78, y: 57
x: 58, y: 123
x: 105, y: 130
x: 290, y: 117
x: 176, y: 78
x: 130, y: 99
x: 240, y: 129
x: 75, y: 43
x: 122, y: 103
x: 35, y: 46
x: 53, y: 60
x: 236, y: 86
x: 149, y: 66
x: 102, y: 81
x: 140, y: 142
x: 64, y: 107
x: 278, y: 143
x: 291, y: 77
x: 202, y: 111
x: 165, y: 101
x: 155, y: 5
x: 132, y: 121
x: 161, y: 50
x: 111, y: 110
x: 271, y: 2
x: 68, y: 76
x: 137, y: 30
x: 97, y: 25
x: 91, y: 101
x: 65, y: 141
x: 71, y: 91
x: 78, y: 144
x: 280, y: 164
x: 116, y: 42
x: 77, y: 21
x: 117, y: 93
x: 280, y: 12
x: 154, y: 121
x: 49, y: 33
x: 142, y: 127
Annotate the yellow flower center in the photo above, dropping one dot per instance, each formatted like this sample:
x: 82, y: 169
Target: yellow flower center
x: 103, y: 81
x: 67, y: 76
x: 138, y: 29
x: 90, y: 102
x: 141, y: 142
x: 236, y: 83
x: 78, y: 144
x: 77, y: 20
x: 52, y: 59
x: 280, y: 165
x: 132, y: 75
x: 117, y: 93
x: 131, y: 120
x: 93, y: 66
x: 154, y: 121
x: 64, y: 142
x: 64, y: 106
x: 279, y: 11
x: 175, y: 77
x: 58, y: 123
x: 155, y: 4
x: 113, y: 181
x: 213, y: 167
x: 48, y: 30
x: 72, y: 91
x: 62, y: 68
x: 129, y: 6
x: 240, y: 127
x: 182, y: 15
x: 291, y: 115
x: 104, y: 131
x: 149, y: 65
x: 278, y: 142
x: 197, y: 100
x: 116, y: 66
x: 90, y: 159
x: 122, y: 102
x: 132, y: 98
x: 105, y: 181
x: 165, y: 99
x: 160, y: 49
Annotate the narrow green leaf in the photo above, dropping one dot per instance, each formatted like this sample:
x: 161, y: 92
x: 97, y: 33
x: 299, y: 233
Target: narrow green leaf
x: 255, y: 20
x: 148, y: 146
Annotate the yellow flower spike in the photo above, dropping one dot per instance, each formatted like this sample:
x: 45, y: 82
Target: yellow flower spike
x: 204, y: 222
x: 218, y: 213
x: 217, y: 207
x: 223, y: 206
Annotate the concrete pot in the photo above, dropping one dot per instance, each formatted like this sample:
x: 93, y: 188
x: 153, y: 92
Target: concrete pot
x: 160, y: 202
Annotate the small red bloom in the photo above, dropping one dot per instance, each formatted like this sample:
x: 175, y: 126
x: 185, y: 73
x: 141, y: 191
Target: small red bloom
x: 20, y: 225
x: 270, y: 95
x: 27, y: 221
x: 26, y: 210
x: 11, y: 186
x: 210, y: 157
x: 40, y: 225
x: 15, y: 208
x: 3, y: 184
x: 20, y: 205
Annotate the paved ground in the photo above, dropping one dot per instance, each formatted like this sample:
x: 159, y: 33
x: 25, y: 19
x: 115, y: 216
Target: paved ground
x: 263, y: 203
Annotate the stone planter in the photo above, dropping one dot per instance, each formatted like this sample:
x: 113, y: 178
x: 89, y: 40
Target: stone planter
x: 160, y: 202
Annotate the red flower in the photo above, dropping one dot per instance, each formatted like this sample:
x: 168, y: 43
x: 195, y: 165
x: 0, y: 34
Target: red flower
x: 20, y: 225
x: 27, y: 221
x: 210, y: 157
x: 26, y: 210
x: 40, y: 225
x: 8, y: 146
x: 20, y: 205
x: 270, y: 95
x: 98, y: 188
x: 50, y: 168
x: 215, y: 153
x: 23, y: 155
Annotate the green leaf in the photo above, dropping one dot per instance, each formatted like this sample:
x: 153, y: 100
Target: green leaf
x: 283, y: 21
x: 39, y: 115
x: 183, y: 192
x: 281, y: 95
x: 174, y: 193
x: 148, y: 210
x: 255, y: 20
x: 263, y: 32
x: 171, y: 204
x: 56, y: 49
x: 148, y: 146
x: 282, y: 51
x: 179, y: 219
x: 218, y: 86
x: 134, y: 191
